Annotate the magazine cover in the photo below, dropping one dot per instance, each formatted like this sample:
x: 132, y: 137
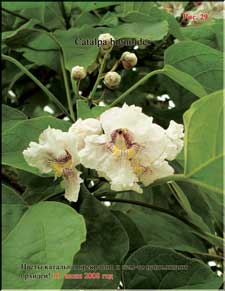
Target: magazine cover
x: 112, y: 145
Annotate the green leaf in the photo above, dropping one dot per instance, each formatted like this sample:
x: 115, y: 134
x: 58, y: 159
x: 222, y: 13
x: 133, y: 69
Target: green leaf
x: 216, y: 205
x: 107, y: 244
x: 41, y: 50
x: 162, y: 268
x: 203, y: 63
x: 10, y: 115
x: 209, y: 34
x: 200, y: 204
x: 185, y: 80
x: 49, y: 233
x: 13, y: 207
x: 88, y: 6
x: 109, y: 19
x: 147, y: 31
x: 127, y: 8
x: 84, y: 111
x: 21, y: 5
x: 38, y: 188
x: 161, y: 229
x: 17, y: 138
x: 21, y: 35
x: 75, y: 53
x: 147, y: 13
x: 203, y: 147
x: 183, y: 200
x: 136, y: 239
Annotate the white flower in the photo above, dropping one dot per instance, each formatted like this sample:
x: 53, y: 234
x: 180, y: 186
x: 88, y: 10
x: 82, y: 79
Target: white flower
x: 82, y: 128
x: 56, y: 152
x: 132, y: 149
x: 78, y: 73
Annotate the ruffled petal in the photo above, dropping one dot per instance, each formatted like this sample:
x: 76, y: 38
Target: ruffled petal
x: 82, y: 128
x: 174, y: 134
x: 72, y: 182
x: 129, y: 117
x: 175, y: 131
x: 155, y: 172
x: 95, y: 153
x: 54, y: 141
x: 152, y: 145
x: 37, y: 155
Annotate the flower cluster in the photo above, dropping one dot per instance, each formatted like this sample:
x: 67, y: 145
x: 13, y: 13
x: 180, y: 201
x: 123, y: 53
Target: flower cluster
x: 123, y: 145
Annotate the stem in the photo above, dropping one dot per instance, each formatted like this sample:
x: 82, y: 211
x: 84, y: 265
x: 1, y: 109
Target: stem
x: 62, y: 8
x: 115, y: 66
x: 37, y: 82
x: 69, y: 100
x: 77, y: 86
x: 215, y: 257
x: 132, y: 88
x: 99, y: 77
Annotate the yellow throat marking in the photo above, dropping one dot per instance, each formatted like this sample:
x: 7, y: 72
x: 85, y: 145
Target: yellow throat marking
x: 58, y: 167
x: 120, y: 148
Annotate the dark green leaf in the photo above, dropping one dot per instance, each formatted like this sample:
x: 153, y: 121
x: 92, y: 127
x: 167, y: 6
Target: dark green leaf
x: 161, y: 229
x: 13, y: 207
x: 165, y: 269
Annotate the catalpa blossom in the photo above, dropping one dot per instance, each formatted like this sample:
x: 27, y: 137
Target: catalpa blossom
x: 132, y: 148
x: 56, y: 152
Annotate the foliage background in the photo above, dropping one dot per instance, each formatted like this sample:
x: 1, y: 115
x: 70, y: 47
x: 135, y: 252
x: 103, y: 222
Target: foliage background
x: 183, y: 222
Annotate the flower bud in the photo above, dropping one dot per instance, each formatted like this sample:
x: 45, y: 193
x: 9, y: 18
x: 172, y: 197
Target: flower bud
x: 112, y: 80
x: 78, y: 73
x: 129, y: 60
x: 105, y: 41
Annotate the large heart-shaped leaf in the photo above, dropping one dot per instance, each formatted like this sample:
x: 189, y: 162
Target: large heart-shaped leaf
x: 204, y: 154
x: 202, y: 62
x: 49, y: 233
